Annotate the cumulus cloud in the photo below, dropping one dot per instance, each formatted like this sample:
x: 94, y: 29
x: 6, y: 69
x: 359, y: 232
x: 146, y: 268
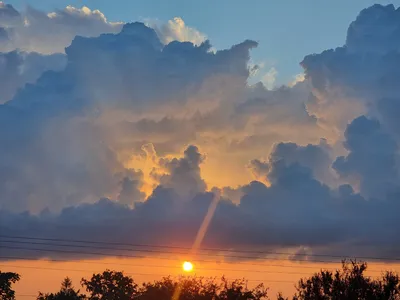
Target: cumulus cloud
x: 298, y: 78
x: 356, y: 79
x: 296, y: 210
x: 36, y: 31
x: 33, y: 30
x: 69, y: 137
x: 109, y: 119
x: 259, y: 169
x: 202, y: 96
x: 269, y: 78
x: 9, y: 16
x: 315, y: 157
x: 131, y: 188
x: 372, y: 158
x: 177, y: 30
x: 359, y: 77
x: 19, y: 68
x: 183, y: 175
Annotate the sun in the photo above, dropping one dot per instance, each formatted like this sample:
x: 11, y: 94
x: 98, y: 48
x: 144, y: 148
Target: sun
x: 187, y: 266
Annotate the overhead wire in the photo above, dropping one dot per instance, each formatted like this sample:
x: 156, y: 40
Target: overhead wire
x: 143, y: 274
x: 161, y: 258
x: 263, y: 252
x: 145, y: 256
x: 167, y: 250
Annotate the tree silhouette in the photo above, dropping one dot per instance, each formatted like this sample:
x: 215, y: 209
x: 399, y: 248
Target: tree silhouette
x: 67, y: 292
x: 6, y: 281
x: 110, y: 285
x: 347, y: 284
x: 189, y: 288
x: 199, y: 288
x: 237, y: 290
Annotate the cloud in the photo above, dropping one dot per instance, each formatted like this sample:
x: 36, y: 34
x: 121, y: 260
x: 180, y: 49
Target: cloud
x: 259, y: 169
x: 159, y: 130
x: 269, y: 78
x: 36, y: 31
x: 202, y: 96
x: 359, y: 77
x: 8, y: 15
x: 183, y: 175
x: 131, y: 188
x: 296, y: 210
x: 33, y: 30
x: 372, y: 158
x: 70, y: 137
x: 298, y: 78
x: 20, y: 68
x: 176, y: 30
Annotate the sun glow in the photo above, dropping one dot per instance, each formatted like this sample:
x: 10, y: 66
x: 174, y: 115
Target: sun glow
x: 187, y: 266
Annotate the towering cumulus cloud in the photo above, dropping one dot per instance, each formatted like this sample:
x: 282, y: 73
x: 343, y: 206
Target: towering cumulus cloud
x: 69, y: 137
x: 157, y: 125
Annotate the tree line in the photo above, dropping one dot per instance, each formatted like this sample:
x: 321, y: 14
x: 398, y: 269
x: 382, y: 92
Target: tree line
x: 348, y: 283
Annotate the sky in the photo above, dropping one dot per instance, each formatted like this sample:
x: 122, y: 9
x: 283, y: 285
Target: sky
x: 286, y: 30
x: 266, y: 129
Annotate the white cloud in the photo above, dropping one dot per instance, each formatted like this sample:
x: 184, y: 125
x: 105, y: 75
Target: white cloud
x: 298, y: 78
x: 177, y: 30
x: 269, y: 78
x: 35, y: 31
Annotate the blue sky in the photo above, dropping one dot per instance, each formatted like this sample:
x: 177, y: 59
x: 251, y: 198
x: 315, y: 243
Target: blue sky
x: 287, y: 30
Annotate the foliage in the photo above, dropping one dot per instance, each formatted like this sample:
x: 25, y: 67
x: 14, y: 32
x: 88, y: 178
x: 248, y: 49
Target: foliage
x: 194, y: 288
x: 6, y: 281
x: 67, y: 292
x: 348, y: 283
x: 110, y: 285
x: 238, y: 290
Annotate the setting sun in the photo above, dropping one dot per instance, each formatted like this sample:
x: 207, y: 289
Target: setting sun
x: 187, y: 266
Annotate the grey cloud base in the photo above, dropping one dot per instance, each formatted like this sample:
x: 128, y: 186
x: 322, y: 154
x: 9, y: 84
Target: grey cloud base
x: 296, y: 210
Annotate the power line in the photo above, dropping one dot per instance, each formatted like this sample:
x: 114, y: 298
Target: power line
x: 140, y: 251
x: 157, y: 251
x: 197, y: 268
x: 188, y: 248
x: 232, y: 270
x: 119, y: 264
x: 144, y: 274
x: 137, y: 256
x: 161, y: 258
